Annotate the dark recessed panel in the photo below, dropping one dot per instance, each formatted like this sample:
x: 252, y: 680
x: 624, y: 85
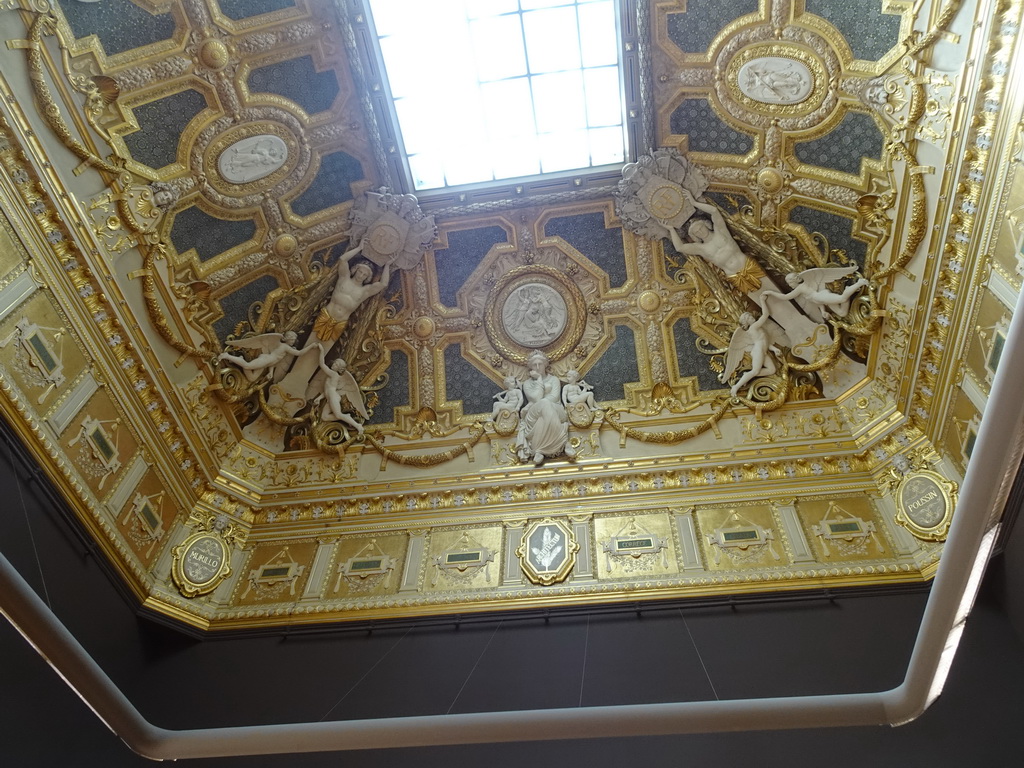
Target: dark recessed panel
x: 298, y: 80
x: 119, y: 24
x: 587, y: 233
x: 210, y: 236
x: 161, y: 123
x: 842, y: 148
x: 707, y: 132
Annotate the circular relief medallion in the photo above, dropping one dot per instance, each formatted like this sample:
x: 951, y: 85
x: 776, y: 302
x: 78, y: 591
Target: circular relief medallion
x: 214, y: 54
x: 386, y: 236
x: 534, y: 315
x: 252, y: 158
x: 770, y: 180
x: 535, y: 307
x: 423, y: 327
x: 666, y: 201
x: 649, y: 301
x: 200, y: 564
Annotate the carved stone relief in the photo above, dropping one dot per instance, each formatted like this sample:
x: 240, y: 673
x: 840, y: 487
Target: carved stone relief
x: 775, y: 80
x: 252, y: 158
x: 534, y: 314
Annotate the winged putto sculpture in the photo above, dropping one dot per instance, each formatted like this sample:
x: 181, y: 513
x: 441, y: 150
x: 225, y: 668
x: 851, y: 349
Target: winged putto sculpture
x: 757, y: 340
x: 340, y: 382
x: 811, y: 292
x: 271, y: 348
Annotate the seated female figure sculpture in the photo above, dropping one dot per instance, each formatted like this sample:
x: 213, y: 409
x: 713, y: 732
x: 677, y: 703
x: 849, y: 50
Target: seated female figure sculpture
x: 543, y: 424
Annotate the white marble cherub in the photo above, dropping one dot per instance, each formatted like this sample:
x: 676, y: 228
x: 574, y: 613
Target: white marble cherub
x: 511, y: 399
x: 751, y: 337
x: 340, y: 381
x: 576, y: 390
x: 810, y: 291
x: 275, y: 348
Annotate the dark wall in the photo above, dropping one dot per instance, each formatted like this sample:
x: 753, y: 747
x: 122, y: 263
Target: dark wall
x: 1008, y: 569
x: 594, y: 658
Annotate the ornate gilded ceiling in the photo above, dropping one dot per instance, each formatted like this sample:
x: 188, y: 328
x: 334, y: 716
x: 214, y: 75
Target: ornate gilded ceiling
x: 184, y: 185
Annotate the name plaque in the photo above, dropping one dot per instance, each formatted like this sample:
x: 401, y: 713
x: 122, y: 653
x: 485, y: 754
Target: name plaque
x: 201, y: 563
x: 925, y: 501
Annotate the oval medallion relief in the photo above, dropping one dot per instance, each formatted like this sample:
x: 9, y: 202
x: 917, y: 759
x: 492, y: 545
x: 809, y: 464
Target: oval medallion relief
x: 775, y: 80
x: 252, y: 158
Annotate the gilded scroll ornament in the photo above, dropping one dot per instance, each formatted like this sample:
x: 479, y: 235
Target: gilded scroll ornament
x: 99, y: 455
x: 635, y: 549
x: 460, y: 564
x: 143, y: 520
x: 37, y: 358
x: 370, y: 567
x: 741, y: 540
x: 269, y: 580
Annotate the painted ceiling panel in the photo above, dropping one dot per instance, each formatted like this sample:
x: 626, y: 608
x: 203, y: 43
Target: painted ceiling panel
x: 706, y: 131
x: 842, y: 148
x: 711, y: 371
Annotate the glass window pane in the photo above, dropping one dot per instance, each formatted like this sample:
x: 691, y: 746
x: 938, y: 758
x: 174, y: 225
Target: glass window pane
x: 552, y: 39
x: 508, y: 108
x: 598, y: 35
x: 403, y: 80
x: 607, y: 146
x: 463, y: 116
x: 481, y: 9
x: 423, y: 131
x: 498, y: 44
x: 558, y: 100
x: 563, y: 151
x: 518, y: 157
x: 470, y: 164
x: 482, y: 105
x: 427, y: 171
x: 604, y: 100
x: 389, y: 16
x: 529, y: 5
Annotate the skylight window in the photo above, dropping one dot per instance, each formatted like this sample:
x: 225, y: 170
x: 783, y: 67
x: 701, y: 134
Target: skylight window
x: 486, y: 90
